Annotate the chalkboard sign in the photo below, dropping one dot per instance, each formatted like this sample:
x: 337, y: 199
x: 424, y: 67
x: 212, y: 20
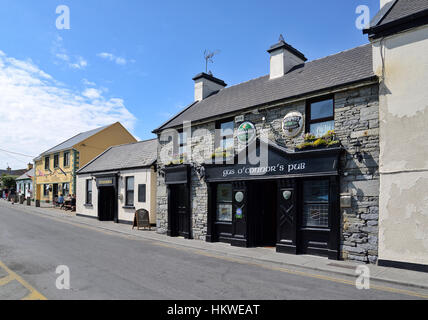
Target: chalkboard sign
x: 141, y: 219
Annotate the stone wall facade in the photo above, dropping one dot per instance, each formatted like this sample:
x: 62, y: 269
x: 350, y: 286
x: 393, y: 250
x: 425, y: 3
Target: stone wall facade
x: 356, y: 118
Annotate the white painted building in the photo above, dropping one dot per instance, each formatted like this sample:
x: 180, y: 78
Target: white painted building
x: 24, y: 183
x: 399, y: 35
x: 118, y: 182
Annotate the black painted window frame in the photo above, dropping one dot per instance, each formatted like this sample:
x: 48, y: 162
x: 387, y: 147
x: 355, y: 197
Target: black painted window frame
x: 47, y: 162
x: 56, y: 160
x: 66, y: 160
x: 310, y: 121
x: 88, y: 191
x: 129, y: 194
x: 142, y: 193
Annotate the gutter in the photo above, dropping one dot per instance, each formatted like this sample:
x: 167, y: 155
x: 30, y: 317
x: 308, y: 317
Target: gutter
x: 412, y: 21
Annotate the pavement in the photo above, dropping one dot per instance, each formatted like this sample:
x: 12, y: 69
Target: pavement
x: 302, y: 265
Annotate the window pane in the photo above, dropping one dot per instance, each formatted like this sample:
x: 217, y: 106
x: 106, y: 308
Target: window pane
x: 322, y: 109
x: 315, y: 215
x: 227, y: 128
x: 320, y: 129
x: 224, y: 193
x: 315, y: 191
x: 89, y: 185
x: 130, y: 198
x: 130, y: 184
x: 141, y: 193
x: 224, y: 212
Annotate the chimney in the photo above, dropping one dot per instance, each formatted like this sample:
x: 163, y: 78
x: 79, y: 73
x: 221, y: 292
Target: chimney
x: 384, y: 2
x: 206, y: 84
x: 283, y: 58
x: 29, y: 166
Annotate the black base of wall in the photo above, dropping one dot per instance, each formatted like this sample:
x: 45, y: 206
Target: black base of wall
x: 126, y: 222
x: 86, y: 216
x: 403, y: 265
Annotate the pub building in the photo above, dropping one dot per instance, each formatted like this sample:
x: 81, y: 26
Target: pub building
x: 288, y: 160
x: 118, y: 182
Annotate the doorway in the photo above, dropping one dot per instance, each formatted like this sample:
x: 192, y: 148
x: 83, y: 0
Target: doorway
x: 107, y: 204
x: 180, y: 215
x: 55, y: 191
x: 262, y: 216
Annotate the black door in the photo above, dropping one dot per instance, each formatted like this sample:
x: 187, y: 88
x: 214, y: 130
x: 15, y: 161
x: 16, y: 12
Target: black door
x: 262, y: 216
x: 106, y: 204
x: 315, y: 217
x: 180, y: 210
x: 55, y: 191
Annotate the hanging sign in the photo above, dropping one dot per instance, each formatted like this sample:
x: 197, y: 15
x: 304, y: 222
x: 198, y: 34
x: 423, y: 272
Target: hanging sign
x: 246, y: 132
x: 292, y: 124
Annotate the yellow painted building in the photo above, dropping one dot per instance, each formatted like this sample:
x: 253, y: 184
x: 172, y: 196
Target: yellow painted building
x: 55, y: 169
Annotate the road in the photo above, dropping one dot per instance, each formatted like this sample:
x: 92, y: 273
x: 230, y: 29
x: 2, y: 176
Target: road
x: 109, y: 265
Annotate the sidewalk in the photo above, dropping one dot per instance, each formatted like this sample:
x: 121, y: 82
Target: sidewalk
x: 265, y: 255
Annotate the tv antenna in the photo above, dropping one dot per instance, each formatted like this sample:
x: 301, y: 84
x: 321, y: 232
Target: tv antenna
x: 208, y: 55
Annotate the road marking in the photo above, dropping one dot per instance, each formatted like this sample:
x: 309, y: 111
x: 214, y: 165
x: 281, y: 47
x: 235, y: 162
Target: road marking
x: 33, y: 295
x: 236, y: 260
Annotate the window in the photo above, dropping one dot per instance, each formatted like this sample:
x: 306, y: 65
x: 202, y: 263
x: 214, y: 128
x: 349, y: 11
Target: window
x: 320, y: 117
x: 66, y: 159
x: 225, y: 140
x: 89, y: 191
x: 182, y: 142
x: 141, y: 193
x: 46, y: 190
x: 224, y: 203
x: 315, y: 203
x: 46, y: 163
x: 129, y: 191
x: 56, y: 160
x: 65, y: 189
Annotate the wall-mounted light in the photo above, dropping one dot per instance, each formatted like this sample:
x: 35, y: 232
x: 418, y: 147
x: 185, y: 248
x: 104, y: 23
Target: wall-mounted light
x: 358, y: 155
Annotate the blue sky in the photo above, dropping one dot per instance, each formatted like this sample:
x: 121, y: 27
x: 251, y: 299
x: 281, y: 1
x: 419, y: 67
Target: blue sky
x: 133, y: 60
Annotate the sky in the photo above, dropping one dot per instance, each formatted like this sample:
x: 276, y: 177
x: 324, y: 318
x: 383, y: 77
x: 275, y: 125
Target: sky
x: 133, y: 60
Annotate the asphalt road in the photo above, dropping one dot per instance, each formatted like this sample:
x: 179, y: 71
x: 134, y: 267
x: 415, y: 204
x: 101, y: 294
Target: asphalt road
x: 108, y: 265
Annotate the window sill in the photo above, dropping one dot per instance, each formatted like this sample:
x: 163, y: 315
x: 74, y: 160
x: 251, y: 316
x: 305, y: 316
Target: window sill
x: 88, y: 205
x: 128, y: 207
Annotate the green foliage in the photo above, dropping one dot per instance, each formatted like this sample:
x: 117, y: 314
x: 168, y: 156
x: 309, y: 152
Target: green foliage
x: 8, y: 181
x: 327, y: 140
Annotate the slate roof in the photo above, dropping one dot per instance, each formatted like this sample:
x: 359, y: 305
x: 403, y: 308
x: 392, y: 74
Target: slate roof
x: 27, y: 175
x: 342, y: 68
x: 134, y: 155
x: 68, y: 144
x: 13, y: 172
x: 396, y: 12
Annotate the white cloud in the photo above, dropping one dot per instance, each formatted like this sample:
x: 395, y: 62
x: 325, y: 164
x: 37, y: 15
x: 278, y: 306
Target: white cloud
x: 36, y: 113
x: 92, y: 93
x: 88, y: 83
x: 62, y: 57
x: 110, y: 56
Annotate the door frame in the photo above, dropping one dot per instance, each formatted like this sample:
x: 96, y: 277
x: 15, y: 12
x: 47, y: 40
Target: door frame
x: 114, y: 184
x: 178, y: 175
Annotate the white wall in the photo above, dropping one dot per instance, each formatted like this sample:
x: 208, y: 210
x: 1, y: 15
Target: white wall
x: 403, y: 216
x: 141, y: 176
x: 81, y: 196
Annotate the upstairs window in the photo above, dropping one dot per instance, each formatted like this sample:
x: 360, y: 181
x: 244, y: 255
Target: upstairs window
x: 47, y: 163
x: 66, y: 159
x: 182, y: 143
x: 226, y: 141
x: 56, y: 160
x: 320, y: 117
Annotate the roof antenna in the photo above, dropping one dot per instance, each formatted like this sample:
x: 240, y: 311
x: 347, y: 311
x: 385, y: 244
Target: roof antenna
x: 209, y: 58
x: 281, y: 38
